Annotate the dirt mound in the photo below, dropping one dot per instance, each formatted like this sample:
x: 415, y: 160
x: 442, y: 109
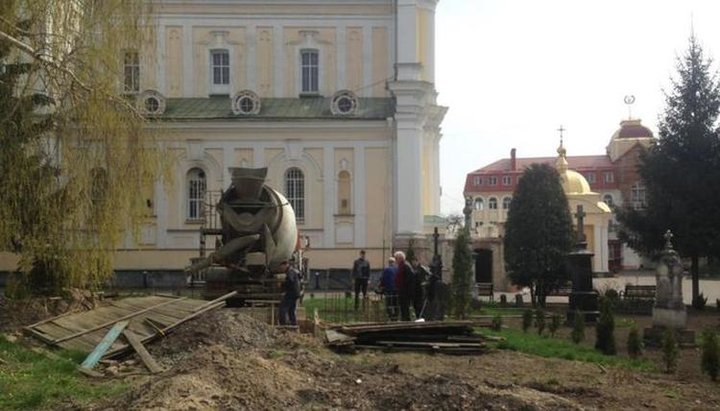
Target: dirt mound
x: 227, y: 360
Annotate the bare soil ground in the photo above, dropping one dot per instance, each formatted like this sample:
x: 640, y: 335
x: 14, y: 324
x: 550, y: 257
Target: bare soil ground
x: 226, y: 360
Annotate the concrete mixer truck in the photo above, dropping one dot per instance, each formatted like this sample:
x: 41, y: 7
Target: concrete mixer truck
x: 256, y: 232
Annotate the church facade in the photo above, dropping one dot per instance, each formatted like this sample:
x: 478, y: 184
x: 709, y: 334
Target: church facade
x: 335, y: 98
x: 597, y: 182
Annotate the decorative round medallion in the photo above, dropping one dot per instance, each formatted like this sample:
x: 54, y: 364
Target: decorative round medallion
x: 344, y: 103
x: 151, y: 103
x: 246, y: 103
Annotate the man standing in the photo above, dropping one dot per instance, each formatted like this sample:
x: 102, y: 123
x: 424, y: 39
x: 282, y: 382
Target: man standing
x: 291, y: 286
x: 404, y: 283
x: 387, y: 285
x: 361, y: 275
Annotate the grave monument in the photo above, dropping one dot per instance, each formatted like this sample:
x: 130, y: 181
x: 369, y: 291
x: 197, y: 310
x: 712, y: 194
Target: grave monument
x: 583, y: 298
x: 669, y: 310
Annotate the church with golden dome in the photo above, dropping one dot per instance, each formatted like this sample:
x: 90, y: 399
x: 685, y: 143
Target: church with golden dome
x: 597, y: 182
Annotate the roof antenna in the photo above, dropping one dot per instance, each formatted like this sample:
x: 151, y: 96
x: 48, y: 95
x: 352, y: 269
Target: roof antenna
x: 629, y: 100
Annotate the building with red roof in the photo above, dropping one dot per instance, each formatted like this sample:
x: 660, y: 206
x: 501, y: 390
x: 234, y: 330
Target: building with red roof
x: 611, y: 176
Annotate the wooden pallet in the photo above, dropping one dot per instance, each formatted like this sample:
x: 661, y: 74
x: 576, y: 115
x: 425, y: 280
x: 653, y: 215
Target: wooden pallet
x: 148, y: 318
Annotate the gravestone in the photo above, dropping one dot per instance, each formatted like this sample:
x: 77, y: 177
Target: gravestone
x: 669, y: 311
x: 583, y: 298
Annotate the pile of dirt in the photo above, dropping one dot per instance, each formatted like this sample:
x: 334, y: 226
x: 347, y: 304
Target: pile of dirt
x: 228, y: 360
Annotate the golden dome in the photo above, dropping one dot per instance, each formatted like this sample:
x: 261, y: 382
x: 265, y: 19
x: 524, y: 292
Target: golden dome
x: 574, y: 183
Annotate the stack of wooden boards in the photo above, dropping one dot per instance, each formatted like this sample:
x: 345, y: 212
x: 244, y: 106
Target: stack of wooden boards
x: 138, y: 319
x: 448, y: 337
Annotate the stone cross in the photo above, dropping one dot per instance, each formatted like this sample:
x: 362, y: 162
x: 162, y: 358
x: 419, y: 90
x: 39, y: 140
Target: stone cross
x: 580, y: 214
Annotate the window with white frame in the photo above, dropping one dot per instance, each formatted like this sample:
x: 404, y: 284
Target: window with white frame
x: 637, y: 195
x: 506, y: 203
x: 220, y: 71
x: 492, y: 203
x: 295, y: 192
x: 196, y: 186
x: 477, y: 180
x: 609, y: 177
x: 131, y: 71
x: 590, y: 177
x: 479, y: 204
x: 506, y: 180
x: 310, y: 71
x: 492, y: 181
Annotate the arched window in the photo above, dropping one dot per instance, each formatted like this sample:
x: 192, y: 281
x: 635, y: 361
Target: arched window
x: 608, y: 199
x: 295, y: 192
x: 344, y: 193
x: 196, y: 186
x: 492, y: 203
x: 479, y: 204
x: 506, y: 203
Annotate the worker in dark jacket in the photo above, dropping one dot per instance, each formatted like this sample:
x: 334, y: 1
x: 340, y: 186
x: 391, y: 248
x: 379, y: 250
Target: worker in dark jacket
x: 291, y: 286
x: 387, y: 286
x: 361, y: 276
x: 404, y: 283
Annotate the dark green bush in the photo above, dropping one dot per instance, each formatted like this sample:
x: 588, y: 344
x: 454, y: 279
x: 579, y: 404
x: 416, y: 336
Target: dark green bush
x: 605, y: 329
x: 555, y: 322
x: 699, y: 302
x: 634, y: 343
x: 710, y: 354
x: 527, y: 320
x: 578, y: 331
x: 670, y: 351
x: 540, y: 321
x: 496, y: 324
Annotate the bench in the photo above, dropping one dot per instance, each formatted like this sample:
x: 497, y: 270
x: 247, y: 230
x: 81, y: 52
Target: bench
x: 639, y: 292
x: 485, y: 290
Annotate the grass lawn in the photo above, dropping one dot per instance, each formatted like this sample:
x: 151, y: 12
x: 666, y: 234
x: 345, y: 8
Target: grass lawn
x: 30, y: 380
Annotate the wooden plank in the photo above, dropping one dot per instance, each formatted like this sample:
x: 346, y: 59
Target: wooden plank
x: 101, y: 348
x: 69, y: 337
x: 145, y: 356
x: 333, y: 337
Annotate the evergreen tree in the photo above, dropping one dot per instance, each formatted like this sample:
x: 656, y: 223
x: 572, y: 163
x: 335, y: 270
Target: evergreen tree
x: 462, y: 274
x: 680, y: 169
x: 538, y: 232
x: 710, y: 354
x: 578, y: 331
x: 605, y: 329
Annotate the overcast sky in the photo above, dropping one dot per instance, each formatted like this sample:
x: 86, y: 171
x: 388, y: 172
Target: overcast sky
x: 513, y: 71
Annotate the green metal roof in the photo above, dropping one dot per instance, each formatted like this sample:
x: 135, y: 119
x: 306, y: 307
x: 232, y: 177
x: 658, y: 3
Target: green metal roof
x: 274, y: 109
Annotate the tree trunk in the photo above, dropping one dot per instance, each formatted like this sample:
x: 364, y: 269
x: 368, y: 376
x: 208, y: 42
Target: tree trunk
x: 695, y: 273
x: 532, y: 295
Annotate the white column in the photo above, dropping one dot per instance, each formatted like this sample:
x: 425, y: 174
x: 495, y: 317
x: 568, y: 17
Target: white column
x: 250, y: 58
x: 278, y: 62
x: 161, y: 60
x: 341, y: 60
x: 367, y: 61
x: 407, y: 31
x: 359, y: 197
x: 329, y: 195
x: 188, y: 66
x: 408, y: 193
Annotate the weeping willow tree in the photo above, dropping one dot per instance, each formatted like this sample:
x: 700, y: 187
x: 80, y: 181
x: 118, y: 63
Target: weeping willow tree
x: 76, y: 157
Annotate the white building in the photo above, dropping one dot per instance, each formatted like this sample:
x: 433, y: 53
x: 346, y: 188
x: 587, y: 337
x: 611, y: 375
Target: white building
x: 336, y: 98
